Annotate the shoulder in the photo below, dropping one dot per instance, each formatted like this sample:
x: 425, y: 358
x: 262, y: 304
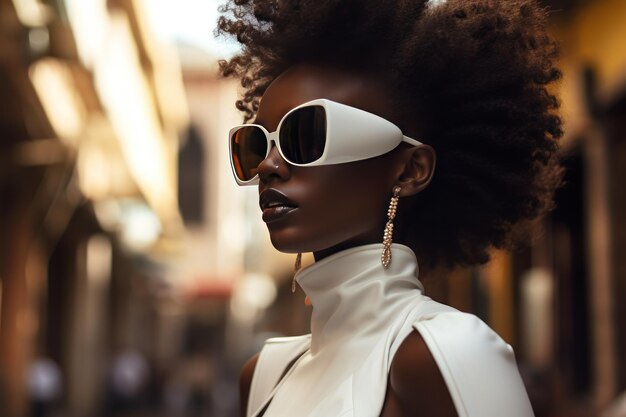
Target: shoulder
x: 276, y: 353
x: 245, y: 381
x: 477, y: 366
x: 261, y: 373
x: 461, y: 340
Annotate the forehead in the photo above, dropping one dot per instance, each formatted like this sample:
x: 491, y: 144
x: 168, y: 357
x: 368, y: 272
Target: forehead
x: 304, y: 83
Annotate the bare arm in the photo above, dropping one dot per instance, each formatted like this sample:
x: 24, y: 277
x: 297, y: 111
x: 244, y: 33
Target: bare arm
x: 416, y: 381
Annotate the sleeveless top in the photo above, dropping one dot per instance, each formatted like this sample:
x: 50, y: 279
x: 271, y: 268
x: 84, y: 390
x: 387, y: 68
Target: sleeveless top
x: 361, y: 314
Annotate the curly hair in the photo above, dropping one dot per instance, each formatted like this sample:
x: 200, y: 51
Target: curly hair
x: 471, y: 76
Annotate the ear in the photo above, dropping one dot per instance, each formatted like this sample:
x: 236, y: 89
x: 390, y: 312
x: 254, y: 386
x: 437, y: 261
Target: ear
x: 417, y: 169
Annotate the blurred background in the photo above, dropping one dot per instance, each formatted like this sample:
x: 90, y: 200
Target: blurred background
x: 136, y: 278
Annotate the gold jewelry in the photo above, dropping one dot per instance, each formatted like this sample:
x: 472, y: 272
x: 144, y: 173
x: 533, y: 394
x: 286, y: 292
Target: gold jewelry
x: 297, y: 267
x: 388, y: 234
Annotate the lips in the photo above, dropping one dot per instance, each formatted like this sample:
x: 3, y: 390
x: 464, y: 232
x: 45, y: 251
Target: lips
x: 275, y: 205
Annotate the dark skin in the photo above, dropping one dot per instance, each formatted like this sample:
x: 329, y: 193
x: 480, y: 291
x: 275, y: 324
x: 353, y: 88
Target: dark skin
x: 343, y: 206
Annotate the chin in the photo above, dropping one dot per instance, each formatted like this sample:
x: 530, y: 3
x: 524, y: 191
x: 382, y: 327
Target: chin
x: 292, y: 239
x: 286, y: 245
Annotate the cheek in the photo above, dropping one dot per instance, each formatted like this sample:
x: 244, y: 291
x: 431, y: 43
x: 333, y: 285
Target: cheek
x: 351, y: 206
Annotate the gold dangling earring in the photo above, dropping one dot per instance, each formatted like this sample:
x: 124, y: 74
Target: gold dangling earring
x: 388, y: 234
x: 297, y: 267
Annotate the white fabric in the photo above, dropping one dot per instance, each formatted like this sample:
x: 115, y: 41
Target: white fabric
x: 361, y: 315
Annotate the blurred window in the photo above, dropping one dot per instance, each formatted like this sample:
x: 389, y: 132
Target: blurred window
x: 191, y: 177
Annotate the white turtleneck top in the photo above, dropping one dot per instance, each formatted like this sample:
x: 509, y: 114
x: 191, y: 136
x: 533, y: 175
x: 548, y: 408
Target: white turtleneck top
x: 361, y: 315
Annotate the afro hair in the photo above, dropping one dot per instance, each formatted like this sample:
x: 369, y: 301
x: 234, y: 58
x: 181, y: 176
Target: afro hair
x: 471, y: 76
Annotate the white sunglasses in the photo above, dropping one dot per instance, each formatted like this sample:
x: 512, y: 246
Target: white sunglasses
x: 318, y: 132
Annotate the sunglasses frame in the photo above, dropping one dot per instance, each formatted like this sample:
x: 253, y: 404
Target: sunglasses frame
x: 352, y: 135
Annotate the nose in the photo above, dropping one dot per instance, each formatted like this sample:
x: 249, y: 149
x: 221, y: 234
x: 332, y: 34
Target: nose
x: 273, y: 167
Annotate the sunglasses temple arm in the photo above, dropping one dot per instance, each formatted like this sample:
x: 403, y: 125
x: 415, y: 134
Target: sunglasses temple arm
x: 411, y: 141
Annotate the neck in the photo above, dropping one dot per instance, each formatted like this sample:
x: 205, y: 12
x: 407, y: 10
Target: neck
x: 348, y: 244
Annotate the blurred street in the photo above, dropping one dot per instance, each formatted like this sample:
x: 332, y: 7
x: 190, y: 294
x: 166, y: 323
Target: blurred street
x: 136, y: 277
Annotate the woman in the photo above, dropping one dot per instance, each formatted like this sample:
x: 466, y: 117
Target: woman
x: 355, y: 102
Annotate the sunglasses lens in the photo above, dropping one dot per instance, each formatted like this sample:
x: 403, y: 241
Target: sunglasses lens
x: 303, y: 134
x: 248, y: 147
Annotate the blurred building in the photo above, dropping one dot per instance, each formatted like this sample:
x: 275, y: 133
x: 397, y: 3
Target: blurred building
x: 93, y: 107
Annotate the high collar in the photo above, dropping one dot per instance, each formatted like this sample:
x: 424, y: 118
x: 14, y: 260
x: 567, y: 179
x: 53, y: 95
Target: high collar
x: 353, y: 295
